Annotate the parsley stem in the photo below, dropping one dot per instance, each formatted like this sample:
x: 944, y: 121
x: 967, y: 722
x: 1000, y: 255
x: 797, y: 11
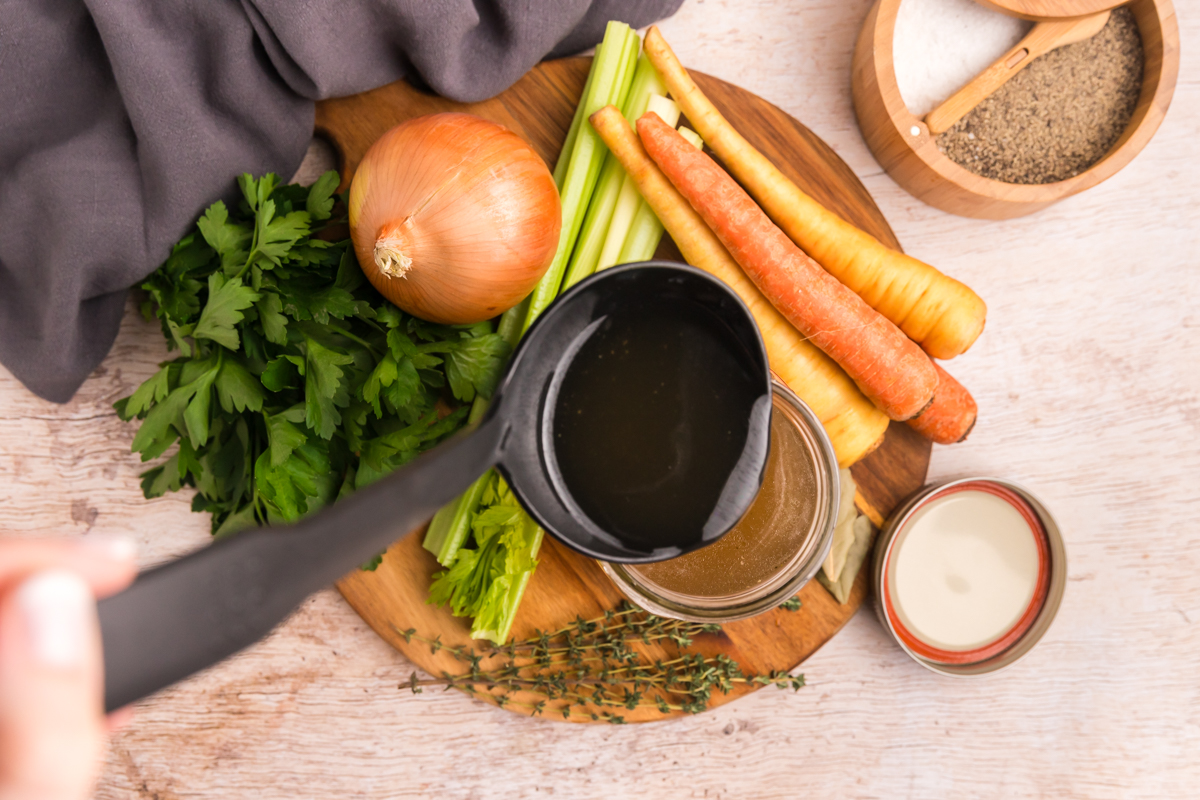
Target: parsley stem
x: 340, y: 330
x: 253, y: 247
x: 245, y: 266
x: 369, y: 324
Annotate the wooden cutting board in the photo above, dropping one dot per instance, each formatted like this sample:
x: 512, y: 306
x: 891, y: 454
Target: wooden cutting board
x: 567, y: 585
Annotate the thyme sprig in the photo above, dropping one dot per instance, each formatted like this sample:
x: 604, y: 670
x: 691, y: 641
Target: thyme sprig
x: 592, y: 669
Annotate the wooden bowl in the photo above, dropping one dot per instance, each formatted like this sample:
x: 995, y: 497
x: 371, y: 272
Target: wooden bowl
x: 903, y: 146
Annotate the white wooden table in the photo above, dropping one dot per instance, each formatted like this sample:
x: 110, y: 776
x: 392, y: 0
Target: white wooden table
x: 1088, y: 382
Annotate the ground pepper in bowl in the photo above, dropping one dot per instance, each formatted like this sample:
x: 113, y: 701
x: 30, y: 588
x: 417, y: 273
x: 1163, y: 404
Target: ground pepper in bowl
x: 1058, y: 116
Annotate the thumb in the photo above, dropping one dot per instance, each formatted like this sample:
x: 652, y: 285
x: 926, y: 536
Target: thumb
x: 51, y: 729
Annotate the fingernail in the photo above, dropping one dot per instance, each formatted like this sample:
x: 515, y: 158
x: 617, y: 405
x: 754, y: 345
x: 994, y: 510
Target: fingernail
x: 115, y: 547
x: 58, y: 610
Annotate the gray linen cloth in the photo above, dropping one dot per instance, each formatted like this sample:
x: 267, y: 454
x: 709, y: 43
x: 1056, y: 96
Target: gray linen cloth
x: 120, y: 120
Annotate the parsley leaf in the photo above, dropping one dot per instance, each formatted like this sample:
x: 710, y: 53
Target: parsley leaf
x: 161, y: 426
x: 298, y: 485
x: 146, y: 395
x: 227, y: 238
x: 275, y: 236
x: 279, y: 374
x: 197, y: 414
x: 382, y: 376
x: 237, y: 388
x: 405, y: 391
x: 320, y: 198
x: 284, y: 437
x: 475, y: 365
x: 274, y: 323
x: 256, y: 192
x: 319, y: 304
x: 227, y: 299
x: 324, y: 390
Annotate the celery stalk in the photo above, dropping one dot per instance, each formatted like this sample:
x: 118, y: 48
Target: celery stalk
x: 512, y: 602
x: 590, y: 249
x: 630, y: 52
x: 630, y: 203
x: 612, y: 64
x: 646, y: 82
x: 613, y: 71
x: 622, y: 218
x: 451, y: 525
x: 692, y: 138
x: 595, y: 224
x: 580, y: 118
x: 564, y: 155
x: 511, y: 320
x: 516, y: 590
x: 666, y: 108
x: 645, y: 232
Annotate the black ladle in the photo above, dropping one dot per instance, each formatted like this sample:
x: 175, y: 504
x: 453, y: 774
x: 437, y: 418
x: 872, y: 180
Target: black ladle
x: 186, y: 615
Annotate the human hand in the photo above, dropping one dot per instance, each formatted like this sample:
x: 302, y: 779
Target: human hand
x: 52, y: 723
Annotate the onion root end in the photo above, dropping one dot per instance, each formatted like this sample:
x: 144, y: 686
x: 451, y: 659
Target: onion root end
x: 390, y: 257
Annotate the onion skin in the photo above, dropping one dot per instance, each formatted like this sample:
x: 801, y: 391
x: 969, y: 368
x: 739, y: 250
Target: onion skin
x: 453, y: 218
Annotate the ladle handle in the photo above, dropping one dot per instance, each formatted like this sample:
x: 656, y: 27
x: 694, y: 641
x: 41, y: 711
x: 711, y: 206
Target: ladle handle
x: 186, y: 615
x: 1041, y: 39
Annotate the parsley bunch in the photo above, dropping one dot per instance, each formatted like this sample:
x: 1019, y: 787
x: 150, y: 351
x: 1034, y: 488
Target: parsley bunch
x: 296, y: 382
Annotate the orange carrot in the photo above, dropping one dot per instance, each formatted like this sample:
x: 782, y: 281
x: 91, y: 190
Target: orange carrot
x: 888, y: 366
x: 952, y: 415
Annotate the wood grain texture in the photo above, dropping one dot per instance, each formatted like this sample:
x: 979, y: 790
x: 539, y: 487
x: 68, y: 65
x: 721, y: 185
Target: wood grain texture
x: 1053, y: 9
x: 1088, y: 393
x: 905, y: 147
x: 566, y: 585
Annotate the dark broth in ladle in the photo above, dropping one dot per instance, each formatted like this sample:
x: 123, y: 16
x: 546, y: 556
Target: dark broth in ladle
x: 644, y: 437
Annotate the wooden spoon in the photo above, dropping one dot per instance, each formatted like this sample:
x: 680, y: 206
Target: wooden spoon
x: 1041, y: 39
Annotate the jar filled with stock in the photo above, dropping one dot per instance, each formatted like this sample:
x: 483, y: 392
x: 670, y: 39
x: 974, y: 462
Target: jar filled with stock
x: 774, y: 550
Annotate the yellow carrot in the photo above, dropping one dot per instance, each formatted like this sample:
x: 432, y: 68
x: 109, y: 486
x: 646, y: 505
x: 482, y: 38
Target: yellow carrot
x: 855, y: 426
x: 941, y: 314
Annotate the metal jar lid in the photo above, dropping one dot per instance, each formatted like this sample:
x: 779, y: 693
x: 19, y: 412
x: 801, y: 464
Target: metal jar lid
x: 1049, y: 608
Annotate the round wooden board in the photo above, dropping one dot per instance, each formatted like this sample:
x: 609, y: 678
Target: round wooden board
x: 567, y: 585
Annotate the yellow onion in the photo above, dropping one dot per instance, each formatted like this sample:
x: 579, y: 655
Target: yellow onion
x: 454, y: 218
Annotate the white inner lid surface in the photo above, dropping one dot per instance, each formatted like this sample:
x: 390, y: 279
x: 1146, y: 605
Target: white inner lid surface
x: 940, y: 45
x: 965, y: 571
